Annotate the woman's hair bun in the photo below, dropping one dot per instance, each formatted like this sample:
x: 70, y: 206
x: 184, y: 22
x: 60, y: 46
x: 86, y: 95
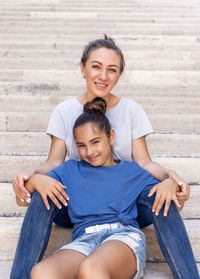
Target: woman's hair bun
x: 98, y: 104
x: 108, y: 38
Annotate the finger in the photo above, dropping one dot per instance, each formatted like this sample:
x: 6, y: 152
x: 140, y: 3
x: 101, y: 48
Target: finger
x: 176, y: 201
x: 20, y: 196
x: 167, y: 205
x: 63, y: 192
x: 54, y: 200
x: 152, y: 191
x: 156, y: 201
x: 21, y: 189
x: 180, y: 194
x: 60, y: 184
x: 18, y: 193
x: 159, y: 205
x: 22, y: 193
x: 60, y: 197
x: 26, y: 177
x: 180, y: 183
x: 20, y: 181
x: 45, y: 200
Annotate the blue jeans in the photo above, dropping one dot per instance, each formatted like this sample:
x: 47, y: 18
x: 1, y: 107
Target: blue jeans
x: 170, y: 231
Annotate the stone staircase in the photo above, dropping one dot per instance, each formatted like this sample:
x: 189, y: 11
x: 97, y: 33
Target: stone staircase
x: 41, y: 42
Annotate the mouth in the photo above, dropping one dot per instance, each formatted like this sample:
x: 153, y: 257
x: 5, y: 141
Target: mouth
x: 93, y: 158
x: 100, y: 85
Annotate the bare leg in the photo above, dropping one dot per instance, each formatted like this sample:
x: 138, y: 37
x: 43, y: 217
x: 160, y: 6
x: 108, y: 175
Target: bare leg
x: 112, y: 259
x: 62, y: 265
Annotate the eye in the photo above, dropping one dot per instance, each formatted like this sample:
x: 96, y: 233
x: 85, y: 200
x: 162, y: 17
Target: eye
x: 95, y: 66
x: 112, y: 70
x: 80, y: 145
x: 96, y: 141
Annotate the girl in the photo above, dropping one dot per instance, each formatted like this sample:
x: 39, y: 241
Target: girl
x: 107, y: 241
x: 102, y: 64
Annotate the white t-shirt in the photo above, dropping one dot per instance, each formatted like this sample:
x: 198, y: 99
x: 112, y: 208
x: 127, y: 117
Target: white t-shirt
x: 127, y: 118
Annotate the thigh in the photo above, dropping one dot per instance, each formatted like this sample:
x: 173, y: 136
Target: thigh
x: 114, y: 258
x: 58, y: 266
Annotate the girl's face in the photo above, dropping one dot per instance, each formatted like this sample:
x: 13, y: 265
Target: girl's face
x: 94, y: 146
x: 102, y: 72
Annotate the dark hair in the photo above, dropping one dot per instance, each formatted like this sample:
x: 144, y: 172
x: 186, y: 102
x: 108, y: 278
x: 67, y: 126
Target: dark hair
x: 94, y: 112
x: 99, y: 43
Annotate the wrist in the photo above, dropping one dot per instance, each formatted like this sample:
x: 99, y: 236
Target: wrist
x: 171, y: 174
x: 30, y: 184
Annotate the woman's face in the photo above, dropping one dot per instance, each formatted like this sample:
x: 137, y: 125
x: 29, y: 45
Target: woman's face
x: 102, y: 72
x: 94, y: 145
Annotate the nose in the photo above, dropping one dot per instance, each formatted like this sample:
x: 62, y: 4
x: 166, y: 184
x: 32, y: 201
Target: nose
x: 103, y: 75
x: 90, y: 151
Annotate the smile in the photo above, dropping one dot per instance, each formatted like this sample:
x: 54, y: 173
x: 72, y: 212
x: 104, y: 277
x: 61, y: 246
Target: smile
x: 93, y: 158
x: 101, y: 86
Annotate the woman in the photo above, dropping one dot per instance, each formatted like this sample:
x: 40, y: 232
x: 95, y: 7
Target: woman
x: 102, y: 64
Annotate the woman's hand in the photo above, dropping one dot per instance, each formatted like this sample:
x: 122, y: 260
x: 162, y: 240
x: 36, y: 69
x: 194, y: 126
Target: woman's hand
x: 49, y: 187
x: 21, y: 192
x: 165, y: 192
x: 183, y: 192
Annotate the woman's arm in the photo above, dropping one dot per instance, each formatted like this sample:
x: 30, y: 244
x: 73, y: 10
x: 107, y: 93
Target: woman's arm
x: 55, y: 158
x: 140, y: 154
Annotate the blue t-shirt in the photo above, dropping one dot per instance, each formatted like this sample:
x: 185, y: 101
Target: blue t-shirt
x: 105, y: 194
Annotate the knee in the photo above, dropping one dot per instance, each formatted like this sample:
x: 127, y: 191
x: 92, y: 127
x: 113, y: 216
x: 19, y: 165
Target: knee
x: 36, y: 271
x: 84, y: 269
x: 89, y: 270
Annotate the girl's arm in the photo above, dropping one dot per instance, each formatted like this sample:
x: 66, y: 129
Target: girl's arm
x: 56, y: 157
x: 48, y: 187
x: 141, y: 155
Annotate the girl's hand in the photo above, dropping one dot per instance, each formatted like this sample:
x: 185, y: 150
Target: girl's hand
x: 21, y: 192
x: 165, y: 192
x: 49, y: 187
x: 183, y: 192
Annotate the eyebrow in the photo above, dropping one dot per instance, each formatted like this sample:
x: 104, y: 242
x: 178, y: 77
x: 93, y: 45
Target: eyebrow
x: 77, y: 142
x: 112, y: 65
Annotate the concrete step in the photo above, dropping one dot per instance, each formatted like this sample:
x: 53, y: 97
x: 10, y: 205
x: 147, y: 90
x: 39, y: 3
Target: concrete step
x: 10, y: 228
x: 125, y: 42
x: 166, y: 123
x: 108, y: 23
x: 151, y: 105
x: 38, y: 122
x: 187, y: 168
x: 130, y: 55
x: 57, y: 89
x: 152, y: 270
x: 144, y: 6
x: 32, y: 144
x: 133, y: 42
x: 131, y: 17
x: 9, y: 208
x: 25, y: 144
x: 62, y: 64
x: 81, y: 7
x: 136, y: 18
x: 137, y: 44
x: 174, y: 145
x: 138, y: 78
x: 142, y: 29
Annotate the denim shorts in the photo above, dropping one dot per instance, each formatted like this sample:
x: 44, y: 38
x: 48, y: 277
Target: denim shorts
x: 129, y: 235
